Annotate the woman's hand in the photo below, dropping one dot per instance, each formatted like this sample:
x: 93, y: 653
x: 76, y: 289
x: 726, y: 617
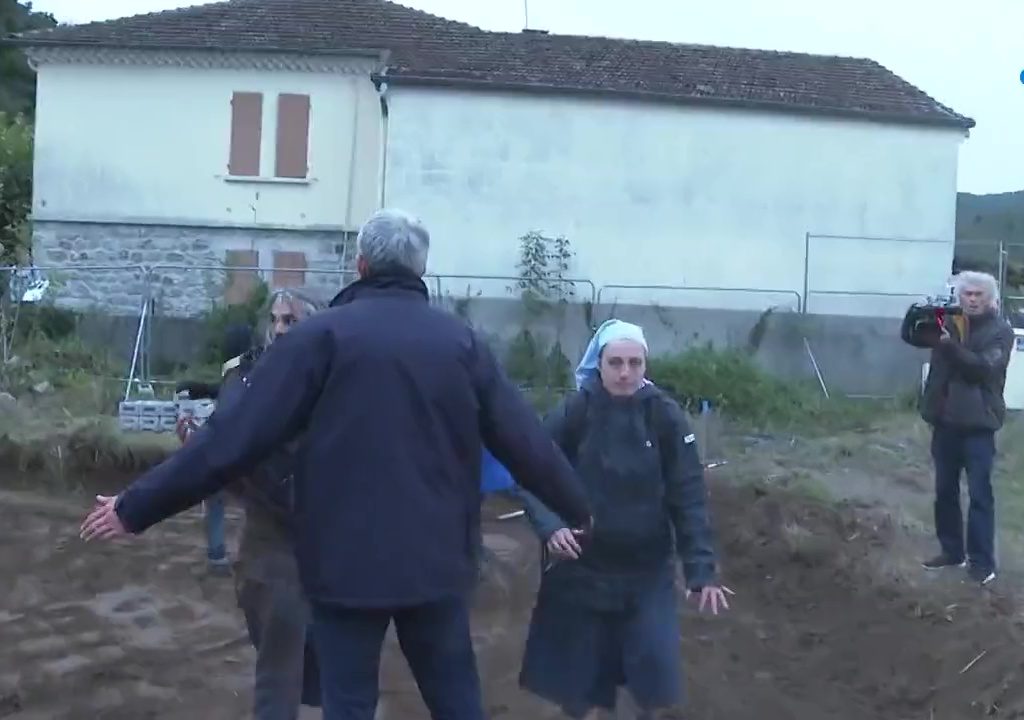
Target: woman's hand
x: 714, y: 595
x: 562, y: 544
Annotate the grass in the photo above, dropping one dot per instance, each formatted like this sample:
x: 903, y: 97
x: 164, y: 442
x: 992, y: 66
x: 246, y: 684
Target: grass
x: 747, y: 395
x: 1009, y: 477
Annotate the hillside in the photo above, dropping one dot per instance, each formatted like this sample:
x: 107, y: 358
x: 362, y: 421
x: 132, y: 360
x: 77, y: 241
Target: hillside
x: 982, y: 221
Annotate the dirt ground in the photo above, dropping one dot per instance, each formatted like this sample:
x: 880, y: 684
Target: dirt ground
x: 831, y: 619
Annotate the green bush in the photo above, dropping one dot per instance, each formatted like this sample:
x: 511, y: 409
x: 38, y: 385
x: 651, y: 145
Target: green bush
x: 740, y: 390
x: 217, y: 321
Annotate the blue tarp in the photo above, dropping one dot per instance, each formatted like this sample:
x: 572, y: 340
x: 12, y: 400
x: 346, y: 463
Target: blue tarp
x: 495, y: 477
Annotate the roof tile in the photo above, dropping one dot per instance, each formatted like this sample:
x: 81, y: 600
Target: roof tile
x: 429, y: 49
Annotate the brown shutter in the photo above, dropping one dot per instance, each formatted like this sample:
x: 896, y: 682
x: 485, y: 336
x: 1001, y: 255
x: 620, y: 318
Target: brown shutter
x: 246, y: 133
x: 241, y: 283
x: 292, y: 136
x: 289, y: 269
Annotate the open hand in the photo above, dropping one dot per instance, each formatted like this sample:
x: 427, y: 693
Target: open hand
x: 715, y: 596
x: 563, y: 544
x: 103, y: 523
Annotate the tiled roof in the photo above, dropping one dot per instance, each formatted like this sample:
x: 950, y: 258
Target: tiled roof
x: 424, y: 48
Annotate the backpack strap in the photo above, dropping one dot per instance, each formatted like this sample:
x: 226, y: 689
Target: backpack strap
x: 575, y: 422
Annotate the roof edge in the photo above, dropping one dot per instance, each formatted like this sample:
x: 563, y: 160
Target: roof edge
x: 954, y: 121
x: 16, y: 41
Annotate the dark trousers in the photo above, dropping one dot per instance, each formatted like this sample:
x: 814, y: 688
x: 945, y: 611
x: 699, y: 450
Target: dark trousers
x: 955, y: 451
x: 436, y: 643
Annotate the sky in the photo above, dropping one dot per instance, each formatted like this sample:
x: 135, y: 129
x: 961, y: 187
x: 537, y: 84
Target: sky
x: 969, y: 59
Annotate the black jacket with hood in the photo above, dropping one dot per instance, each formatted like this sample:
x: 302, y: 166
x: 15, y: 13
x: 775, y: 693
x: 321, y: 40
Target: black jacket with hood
x: 967, y: 377
x: 390, y: 399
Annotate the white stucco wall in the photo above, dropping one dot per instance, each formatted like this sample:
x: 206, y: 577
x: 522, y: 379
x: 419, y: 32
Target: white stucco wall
x: 141, y: 143
x: 665, y: 195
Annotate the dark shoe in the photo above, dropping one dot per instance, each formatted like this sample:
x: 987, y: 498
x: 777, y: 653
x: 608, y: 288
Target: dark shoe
x: 980, y: 575
x: 941, y: 562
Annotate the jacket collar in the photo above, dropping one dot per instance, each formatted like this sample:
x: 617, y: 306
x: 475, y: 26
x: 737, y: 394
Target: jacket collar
x: 392, y: 281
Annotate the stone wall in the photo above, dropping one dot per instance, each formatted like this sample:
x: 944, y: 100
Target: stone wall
x: 109, y: 268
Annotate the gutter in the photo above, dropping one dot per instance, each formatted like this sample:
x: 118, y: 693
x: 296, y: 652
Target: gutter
x: 380, y: 82
x: 953, y: 121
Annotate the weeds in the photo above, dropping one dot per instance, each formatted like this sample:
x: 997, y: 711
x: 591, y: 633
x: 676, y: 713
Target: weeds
x: 744, y: 393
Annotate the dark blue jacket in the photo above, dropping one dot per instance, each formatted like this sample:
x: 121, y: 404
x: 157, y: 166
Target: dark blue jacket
x: 638, y: 458
x: 392, y: 400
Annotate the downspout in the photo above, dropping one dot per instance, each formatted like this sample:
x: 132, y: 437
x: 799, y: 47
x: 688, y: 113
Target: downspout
x: 382, y: 90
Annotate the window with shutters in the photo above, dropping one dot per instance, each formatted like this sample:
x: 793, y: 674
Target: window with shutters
x: 292, y: 136
x: 246, y: 134
x: 242, y: 275
x: 289, y: 269
x: 290, y: 117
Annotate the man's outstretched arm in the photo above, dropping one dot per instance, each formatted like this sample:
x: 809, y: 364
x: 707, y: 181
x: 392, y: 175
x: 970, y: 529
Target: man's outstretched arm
x: 514, y: 434
x: 283, y: 389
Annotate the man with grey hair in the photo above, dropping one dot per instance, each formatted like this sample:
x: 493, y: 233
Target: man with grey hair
x: 391, y: 400
x: 963, y: 402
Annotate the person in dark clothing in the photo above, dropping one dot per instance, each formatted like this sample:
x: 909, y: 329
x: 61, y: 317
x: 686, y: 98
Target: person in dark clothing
x: 267, y: 585
x: 390, y: 400
x: 606, y: 610
x: 237, y: 340
x: 963, y: 402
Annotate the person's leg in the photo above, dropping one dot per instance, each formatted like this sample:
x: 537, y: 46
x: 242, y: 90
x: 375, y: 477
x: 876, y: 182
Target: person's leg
x: 278, y: 618
x: 348, y: 645
x: 651, y: 649
x: 980, y: 450
x: 436, y: 642
x: 216, y: 541
x: 947, y: 454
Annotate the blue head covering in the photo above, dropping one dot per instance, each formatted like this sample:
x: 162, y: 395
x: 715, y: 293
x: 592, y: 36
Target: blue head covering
x: 610, y: 331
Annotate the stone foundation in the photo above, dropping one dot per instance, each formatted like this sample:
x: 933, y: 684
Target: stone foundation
x: 109, y: 268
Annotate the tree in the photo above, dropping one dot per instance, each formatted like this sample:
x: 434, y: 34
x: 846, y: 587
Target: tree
x: 18, y: 88
x: 15, y: 188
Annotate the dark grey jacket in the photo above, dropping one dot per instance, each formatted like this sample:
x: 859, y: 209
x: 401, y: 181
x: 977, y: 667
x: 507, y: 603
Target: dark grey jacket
x: 638, y: 460
x: 966, y: 378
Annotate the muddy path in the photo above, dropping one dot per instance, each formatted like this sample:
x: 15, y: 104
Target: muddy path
x: 830, y: 621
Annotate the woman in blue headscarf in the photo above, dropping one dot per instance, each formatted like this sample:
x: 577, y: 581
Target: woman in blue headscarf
x: 606, y: 612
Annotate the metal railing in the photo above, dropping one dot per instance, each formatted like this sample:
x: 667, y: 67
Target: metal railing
x: 694, y: 288
x: 516, y: 280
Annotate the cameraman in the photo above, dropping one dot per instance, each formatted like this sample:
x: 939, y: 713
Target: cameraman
x: 963, y: 402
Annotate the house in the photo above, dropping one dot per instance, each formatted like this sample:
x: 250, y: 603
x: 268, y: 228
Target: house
x: 262, y: 132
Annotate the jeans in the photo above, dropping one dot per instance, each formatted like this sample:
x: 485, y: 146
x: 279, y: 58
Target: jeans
x: 216, y: 543
x: 436, y: 643
x: 277, y: 618
x: 955, y: 451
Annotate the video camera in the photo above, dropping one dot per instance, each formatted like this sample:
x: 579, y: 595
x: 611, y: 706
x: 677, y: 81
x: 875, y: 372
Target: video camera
x: 924, y: 322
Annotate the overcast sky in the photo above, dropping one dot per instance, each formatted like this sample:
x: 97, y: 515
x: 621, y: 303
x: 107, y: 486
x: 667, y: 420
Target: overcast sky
x: 968, y: 57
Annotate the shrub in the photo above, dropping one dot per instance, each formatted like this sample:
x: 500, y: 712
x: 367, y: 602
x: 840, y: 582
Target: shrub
x: 742, y: 391
x: 217, y: 321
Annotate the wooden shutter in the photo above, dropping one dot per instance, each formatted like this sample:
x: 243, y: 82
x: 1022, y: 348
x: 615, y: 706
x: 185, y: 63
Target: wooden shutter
x: 246, y: 134
x: 292, y: 136
x: 241, y: 283
x: 289, y: 269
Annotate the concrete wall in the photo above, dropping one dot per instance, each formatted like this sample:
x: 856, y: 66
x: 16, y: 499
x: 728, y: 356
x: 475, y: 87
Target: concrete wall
x: 653, y: 194
x: 857, y: 356
x: 125, y: 136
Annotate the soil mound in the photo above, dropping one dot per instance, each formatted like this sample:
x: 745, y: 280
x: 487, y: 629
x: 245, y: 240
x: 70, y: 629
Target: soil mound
x: 831, y: 621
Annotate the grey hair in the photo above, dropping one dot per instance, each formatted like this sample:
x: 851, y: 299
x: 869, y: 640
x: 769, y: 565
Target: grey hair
x: 978, y: 281
x: 394, y: 237
x: 302, y: 305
